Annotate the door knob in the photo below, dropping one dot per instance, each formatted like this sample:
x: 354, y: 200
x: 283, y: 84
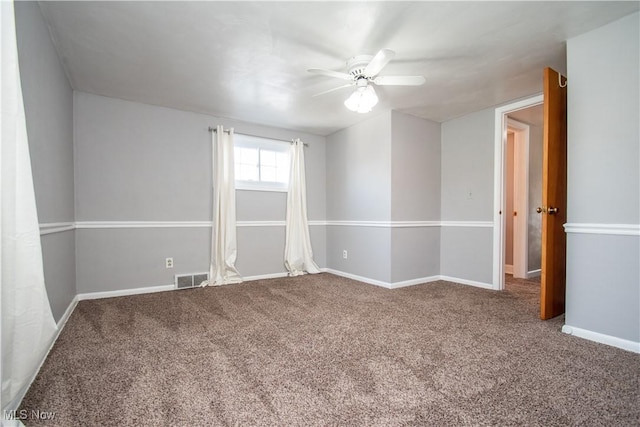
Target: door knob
x: 549, y: 210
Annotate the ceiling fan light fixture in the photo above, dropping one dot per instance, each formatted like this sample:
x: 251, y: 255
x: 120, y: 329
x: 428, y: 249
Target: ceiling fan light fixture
x: 362, y: 100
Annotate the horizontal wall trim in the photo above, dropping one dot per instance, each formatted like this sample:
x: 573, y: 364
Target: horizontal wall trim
x: 475, y: 224
x: 384, y: 224
x: 602, y: 338
x: 610, y: 229
x: 272, y: 223
x: 411, y: 224
x: 142, y: 224
x: 58, y: 227
x: 177, y: 224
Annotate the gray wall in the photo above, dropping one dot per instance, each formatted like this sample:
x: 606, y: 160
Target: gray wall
x: 384, y: 169
x: 603, y: 278
x: 359, y: 171
x: 359, y: 189
x: 137, y: 162
x: 415, y: 196
x: 467, y: 195
x: 48, y: 102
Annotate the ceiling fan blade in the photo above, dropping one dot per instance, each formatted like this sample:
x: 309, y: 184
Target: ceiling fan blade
x: 399, y: 80
x: 331, y: 90
x: 378, y: 62
x: 329, y: 73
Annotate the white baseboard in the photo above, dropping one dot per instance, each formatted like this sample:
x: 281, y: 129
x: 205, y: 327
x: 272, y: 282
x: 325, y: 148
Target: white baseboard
x: 534, y: 273
x: 66, y: 315
x: 412, y: 282
x: 359, y: 278
x: 602, y: 338
x: 125, y: 292
x: 265, y: 276
x: 162, y: 288
x: 467, y: 282
x: 11, y: 423
x: 15, y: 404
x: 387, y: 285
x: 508, y: 269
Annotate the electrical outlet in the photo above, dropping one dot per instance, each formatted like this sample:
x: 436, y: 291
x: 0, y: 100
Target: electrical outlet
x: 344, y: 254
x: 168, y: 262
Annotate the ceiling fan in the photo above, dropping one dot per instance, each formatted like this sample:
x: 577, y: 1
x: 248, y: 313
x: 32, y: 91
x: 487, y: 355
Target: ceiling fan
x: 363, y: 70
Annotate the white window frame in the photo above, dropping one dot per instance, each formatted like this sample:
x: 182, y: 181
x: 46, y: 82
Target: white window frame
x: 248, y: 141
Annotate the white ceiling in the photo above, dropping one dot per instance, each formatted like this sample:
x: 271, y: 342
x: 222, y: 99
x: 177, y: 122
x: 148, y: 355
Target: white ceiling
x: 248, y: 60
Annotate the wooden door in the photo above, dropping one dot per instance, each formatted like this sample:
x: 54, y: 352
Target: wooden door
x: 554, y: 196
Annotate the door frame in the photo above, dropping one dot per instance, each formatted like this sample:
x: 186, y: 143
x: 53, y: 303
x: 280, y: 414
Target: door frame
x: 500, y: 138
x: 521, y: 133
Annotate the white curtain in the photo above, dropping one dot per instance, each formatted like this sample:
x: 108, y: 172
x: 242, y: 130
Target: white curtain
x: 298, y: 256
x: 223, y: 240
x: 27, y: 323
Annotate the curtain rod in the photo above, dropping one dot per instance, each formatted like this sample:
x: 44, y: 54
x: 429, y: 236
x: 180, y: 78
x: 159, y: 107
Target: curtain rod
x: 211, y: 129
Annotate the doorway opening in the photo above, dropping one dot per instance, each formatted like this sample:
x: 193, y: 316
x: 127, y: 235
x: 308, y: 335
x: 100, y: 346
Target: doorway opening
x: 517, y: 190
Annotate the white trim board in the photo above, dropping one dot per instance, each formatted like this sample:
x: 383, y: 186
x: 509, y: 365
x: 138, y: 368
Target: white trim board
x: 270, y: 223
x: 178, y: 224
x: 387, y: 285
x: 608, y: 229
x: 602, y: 338
x: 468, y: 282
x: 265, y: 276
x: 474, y: 224
x: 15, y: 404
x: 534, y: 273
x: 56, y: 227
x: 125, y: 292
x: 162, y: 288
x: 382, y: 283
x: 384, y: 224
x: 411, y: 282
x: 142, y: 224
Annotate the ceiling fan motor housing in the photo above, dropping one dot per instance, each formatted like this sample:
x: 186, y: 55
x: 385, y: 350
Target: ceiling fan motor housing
x: 357, y: 65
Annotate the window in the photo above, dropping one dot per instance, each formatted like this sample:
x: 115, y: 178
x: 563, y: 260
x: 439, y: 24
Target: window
x: 261, y: 163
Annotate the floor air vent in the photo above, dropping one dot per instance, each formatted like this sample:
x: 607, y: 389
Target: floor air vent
x: 184, y: 281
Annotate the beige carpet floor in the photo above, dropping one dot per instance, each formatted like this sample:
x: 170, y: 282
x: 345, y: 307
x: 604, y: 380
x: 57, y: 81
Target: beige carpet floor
x: 327, y: 351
